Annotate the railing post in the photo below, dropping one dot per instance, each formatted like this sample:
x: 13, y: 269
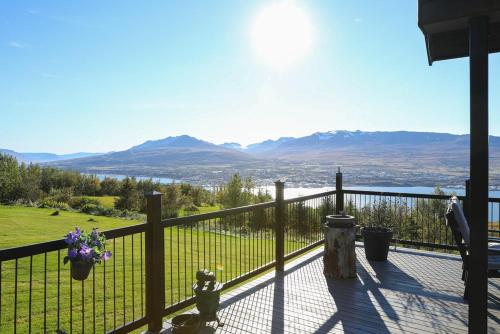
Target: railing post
x: 155, y: 263
x: 467, y: 200
x: 280, y: 225
x: 339, y: 193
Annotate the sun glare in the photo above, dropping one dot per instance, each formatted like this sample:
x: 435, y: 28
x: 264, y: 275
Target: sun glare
x: 282, y: 34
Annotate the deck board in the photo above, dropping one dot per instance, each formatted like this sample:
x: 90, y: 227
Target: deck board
x: 413, y: 292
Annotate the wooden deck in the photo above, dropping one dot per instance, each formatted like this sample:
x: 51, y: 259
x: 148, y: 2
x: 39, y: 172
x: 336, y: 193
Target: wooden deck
x: 413, y: 292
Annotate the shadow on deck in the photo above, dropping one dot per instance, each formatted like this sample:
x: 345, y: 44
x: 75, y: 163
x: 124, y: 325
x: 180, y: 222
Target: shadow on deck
x: 413, y: 292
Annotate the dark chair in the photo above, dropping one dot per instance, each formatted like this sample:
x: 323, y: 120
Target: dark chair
x: 455, y: 219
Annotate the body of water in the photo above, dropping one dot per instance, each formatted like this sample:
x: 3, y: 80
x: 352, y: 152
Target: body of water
x: 164, y: 180
x: 296, y: 192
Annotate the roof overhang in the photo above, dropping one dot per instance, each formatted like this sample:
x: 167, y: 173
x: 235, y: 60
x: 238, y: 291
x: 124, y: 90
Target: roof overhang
x: 445, y: 24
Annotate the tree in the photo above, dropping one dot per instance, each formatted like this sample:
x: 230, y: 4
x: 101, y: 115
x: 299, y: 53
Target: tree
x: 89, y: 185
x: 129, y: 197
x: 170, y: 201
x: 232, y: 195
x: 110, y: 187
x: 30, y: 184
x: 10, y: 179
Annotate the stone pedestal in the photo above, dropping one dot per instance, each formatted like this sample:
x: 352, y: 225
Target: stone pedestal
x: 340, y: 253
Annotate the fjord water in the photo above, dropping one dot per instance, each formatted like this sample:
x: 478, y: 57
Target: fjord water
x: 291, y: 192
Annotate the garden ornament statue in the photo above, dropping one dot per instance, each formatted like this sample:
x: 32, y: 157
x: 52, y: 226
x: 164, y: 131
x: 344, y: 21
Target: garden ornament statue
x: 207, y: 291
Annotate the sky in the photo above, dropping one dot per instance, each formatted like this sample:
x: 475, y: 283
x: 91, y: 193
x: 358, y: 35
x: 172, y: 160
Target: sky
x: 100, y: 76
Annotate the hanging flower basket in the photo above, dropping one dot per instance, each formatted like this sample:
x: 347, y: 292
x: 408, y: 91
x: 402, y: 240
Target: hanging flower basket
x: 80, y: 270
x: 85, y: 250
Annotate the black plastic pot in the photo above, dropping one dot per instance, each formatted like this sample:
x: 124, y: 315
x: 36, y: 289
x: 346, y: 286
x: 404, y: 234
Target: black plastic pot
x: 186, y: 324
x: 80, y: 270
x: 377, y: 241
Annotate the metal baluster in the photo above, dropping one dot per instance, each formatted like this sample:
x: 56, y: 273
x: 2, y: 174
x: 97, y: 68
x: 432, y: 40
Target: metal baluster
x: 171, y: 241
x: 133, y: 280
x: 93, y: 299
x: 30, y: 297
x: 185, y: 264
x: 15, y: 298
x: 114, y: 283
x: 142, y: 287
x: 178, y: 265
x: 192, y: 250
x: 58, y: 286
x: 45, y: 294
x: 123, y: 276
x: 104, y: 314
x: 83, y: 307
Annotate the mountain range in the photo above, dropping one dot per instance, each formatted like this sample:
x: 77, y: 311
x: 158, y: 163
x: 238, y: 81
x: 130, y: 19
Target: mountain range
x: 46, y: 157
x: 435, y: 155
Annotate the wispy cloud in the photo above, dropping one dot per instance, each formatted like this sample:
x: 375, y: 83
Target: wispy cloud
x: 358, y: 19
x: 17, y: 45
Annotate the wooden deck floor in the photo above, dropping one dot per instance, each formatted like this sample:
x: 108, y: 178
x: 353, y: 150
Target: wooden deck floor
x: 413, y: 292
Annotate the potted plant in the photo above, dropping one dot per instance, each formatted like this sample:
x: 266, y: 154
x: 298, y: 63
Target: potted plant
x: 84, y: 250
x: 378, y: 234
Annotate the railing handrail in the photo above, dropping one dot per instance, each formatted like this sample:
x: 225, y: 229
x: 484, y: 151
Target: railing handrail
x: 313, y: 196
x: 396, y: 194
x: 170, y: 222
x: 54, y: 245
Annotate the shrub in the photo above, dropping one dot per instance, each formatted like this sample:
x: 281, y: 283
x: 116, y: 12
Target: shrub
x: 91, y: 209
x: 51, y: 204
x: 61, y: 195
x: 79, y: 202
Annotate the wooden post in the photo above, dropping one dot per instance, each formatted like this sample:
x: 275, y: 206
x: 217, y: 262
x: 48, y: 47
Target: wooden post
x: 280, y: 225
x: 339, y: 193
x: 155, y: 263
x: 478, y: 53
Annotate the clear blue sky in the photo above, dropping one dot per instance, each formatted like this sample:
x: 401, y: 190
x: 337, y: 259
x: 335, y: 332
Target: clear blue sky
x: 106, y: 75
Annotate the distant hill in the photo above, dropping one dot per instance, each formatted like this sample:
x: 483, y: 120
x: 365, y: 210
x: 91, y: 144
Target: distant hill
x: 234, y: 146
x: 399, y: 150
x: 325, y: 145
x: 46, y: 157
x: 268, y: 145
x: 170, y: 152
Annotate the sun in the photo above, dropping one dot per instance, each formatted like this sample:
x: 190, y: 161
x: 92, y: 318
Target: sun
x: 282, y: 34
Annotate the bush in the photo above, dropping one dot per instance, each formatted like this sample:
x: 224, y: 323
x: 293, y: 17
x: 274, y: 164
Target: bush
x: 91, y: 209
x: 98, y: 210
x: 51, y: 204
x: 61, y: 195
x: 80, y: 202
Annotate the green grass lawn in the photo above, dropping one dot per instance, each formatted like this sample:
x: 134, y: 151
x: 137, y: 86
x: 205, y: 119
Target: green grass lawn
x: 21, y: 225
x: 114, y: 290
x: 105, y: 201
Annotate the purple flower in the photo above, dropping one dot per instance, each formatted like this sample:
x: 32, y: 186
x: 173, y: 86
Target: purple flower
x: 86, y: 252
x: 71, y: 238
x: 106, y: 256
x: 78, y: 232
x: 72, y: 253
